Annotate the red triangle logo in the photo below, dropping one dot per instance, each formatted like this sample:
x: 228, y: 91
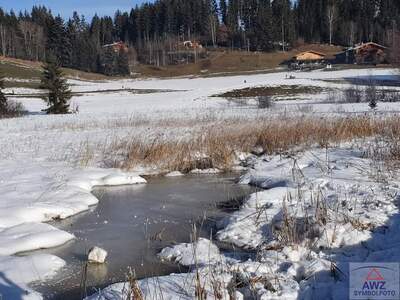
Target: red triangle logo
x: 374, y: 274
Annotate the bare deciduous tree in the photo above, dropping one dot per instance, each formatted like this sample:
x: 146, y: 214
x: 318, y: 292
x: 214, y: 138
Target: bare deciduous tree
x: 331, y: 16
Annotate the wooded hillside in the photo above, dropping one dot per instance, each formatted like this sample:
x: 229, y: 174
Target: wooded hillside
x: 157, y: 30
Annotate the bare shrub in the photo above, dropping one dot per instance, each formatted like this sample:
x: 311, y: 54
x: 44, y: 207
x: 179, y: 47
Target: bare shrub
x: 134, y: 289
x: 265, y: 102
x: 12, y: 109
x: 353, y: 94
x: 371, y: 96
x: 333, y: 96
x: 390, y: 96
x: 305, y: 108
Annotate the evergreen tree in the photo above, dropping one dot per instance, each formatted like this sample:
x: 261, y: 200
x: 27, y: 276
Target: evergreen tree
x: 122, y: 63
x: 108, y: 62
x: 59, y: 93
x: 58, y: 43
x: 223, y: 10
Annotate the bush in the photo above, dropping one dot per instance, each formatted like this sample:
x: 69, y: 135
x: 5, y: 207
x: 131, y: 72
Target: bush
x: 8, y: 109
x: 390, y: 96
x: 265, y: 102
x: 12, y: 109
x: 371, y: 96
x: 353, y: 95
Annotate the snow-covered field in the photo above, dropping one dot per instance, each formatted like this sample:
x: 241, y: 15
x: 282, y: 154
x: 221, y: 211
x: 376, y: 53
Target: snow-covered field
x: 49, y: 164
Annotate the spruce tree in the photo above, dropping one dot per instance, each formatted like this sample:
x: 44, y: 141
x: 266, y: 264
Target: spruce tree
x: 223, y: 10
x: 59, y: 93
x: 123, y: 62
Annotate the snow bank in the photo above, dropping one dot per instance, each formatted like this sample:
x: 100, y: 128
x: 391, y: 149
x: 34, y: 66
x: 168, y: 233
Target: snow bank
x: 319, y: 210
x: 203, y: 252
x: 174, y: 174
x: 64, y: 195
x: 16, y: 272
x: 174, y: 286
x: 31, y: 236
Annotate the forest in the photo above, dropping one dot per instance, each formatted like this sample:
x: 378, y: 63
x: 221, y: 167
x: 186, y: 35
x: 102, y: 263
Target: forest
x: 154, y: 30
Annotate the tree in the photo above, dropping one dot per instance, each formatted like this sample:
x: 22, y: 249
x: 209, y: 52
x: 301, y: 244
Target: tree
x: 395, y: 49
x: 8, y: 108
x: 371, y: 95
x: 223, y: 10
x: 331, y: 17
x: 123, y: 62
x: 59, y: 93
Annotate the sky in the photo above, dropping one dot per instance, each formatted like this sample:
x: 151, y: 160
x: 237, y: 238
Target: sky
x: 66, y: 7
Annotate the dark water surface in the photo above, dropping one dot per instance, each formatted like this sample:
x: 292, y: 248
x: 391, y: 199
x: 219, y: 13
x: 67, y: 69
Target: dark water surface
x: 133, y: 223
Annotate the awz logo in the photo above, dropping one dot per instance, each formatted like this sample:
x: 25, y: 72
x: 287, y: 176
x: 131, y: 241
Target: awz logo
x: 377, y: 285
x: 374, y: 280
x: 377, y: 281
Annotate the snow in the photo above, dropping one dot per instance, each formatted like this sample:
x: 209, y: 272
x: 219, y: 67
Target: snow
x: 16, y: 272
x: 174, y: 174
x: 205, y: 171
x: 30, y: 236
x: 203, y: 252
x: 97, y: 255
x: 50, y: 164
x: 174, y: 286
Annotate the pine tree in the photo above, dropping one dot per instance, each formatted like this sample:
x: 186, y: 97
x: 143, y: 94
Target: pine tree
x: 108, y: 62
x: 223, y: 10
x: 59, y: 93
x: 123, y: 63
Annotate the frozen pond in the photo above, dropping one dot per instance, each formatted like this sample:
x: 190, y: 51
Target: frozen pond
x: 133, y: 223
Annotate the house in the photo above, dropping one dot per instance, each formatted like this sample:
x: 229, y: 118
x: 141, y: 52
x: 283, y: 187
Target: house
x: 309, y: 56
x: 365, y: 53
x: 117, y: 47
x: 190, y: 45
x: 307, y: 60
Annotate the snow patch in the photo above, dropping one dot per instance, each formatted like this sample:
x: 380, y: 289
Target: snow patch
x: 202, y: 252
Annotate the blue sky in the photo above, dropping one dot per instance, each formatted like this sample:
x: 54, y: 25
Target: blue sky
x: 66, y: 7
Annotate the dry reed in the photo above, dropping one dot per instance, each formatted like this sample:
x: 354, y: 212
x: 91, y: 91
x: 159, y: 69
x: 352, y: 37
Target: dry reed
x: 216, y: 146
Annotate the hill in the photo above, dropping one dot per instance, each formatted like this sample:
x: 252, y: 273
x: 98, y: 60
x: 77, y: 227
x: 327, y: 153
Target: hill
x: 226, y: 61
x: 24, y: 73
x: 219, y: 62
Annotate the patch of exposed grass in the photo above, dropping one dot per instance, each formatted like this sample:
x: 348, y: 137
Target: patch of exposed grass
x: 22, y: 84
x: 282, y: 90
x: 15, y: 70
x: 43, y: 93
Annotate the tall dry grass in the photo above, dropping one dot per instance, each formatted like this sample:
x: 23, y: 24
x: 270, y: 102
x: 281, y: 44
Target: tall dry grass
x: 217, y: 146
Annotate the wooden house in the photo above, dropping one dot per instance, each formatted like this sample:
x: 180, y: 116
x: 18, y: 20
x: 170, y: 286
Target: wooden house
x: 366, y: 53
x: 309, y: 56
x: 192, y: 45
x: 117, y: 47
